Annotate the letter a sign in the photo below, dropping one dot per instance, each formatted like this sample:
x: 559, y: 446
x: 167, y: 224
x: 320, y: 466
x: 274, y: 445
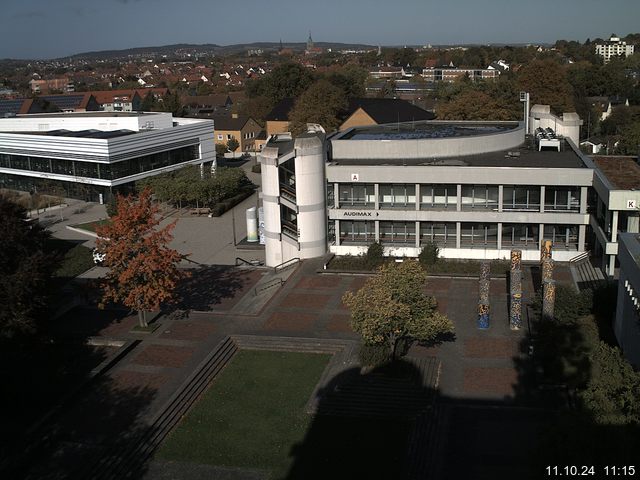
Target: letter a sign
x: 355, y: 177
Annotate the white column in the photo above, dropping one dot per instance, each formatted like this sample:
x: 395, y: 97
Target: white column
x: 614, y: 227
x: 417, y: 234
x: 458, y: 234
x: 500, y: 197
x: 459, y: 198
x: 583, y: 199
x: 582, y: 233
x: 417, y: 196
x: 500, y: 236
x: 376, y: 193
x: 542, y: 193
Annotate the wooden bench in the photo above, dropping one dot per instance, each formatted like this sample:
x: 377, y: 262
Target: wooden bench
x: 200, y: 211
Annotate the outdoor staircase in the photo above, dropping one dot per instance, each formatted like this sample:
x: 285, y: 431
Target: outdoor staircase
x: 585, y: 275
x: 125, y: 460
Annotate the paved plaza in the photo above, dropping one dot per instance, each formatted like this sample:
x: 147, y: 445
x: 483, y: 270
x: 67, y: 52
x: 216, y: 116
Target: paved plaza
x: 477, y: 367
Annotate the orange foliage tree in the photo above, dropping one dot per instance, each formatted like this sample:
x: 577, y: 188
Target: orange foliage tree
x: 143, y: 270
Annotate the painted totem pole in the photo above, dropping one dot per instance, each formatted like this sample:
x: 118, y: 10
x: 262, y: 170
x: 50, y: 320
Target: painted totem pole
x: 515, y: 277
x: 483, y: 302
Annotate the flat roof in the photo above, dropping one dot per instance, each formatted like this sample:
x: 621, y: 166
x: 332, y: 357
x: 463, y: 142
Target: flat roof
x: 89, y: 114
x: 425, y: 130
x: 622, y: 172
x: 518, y: 157
x: 81, y: 133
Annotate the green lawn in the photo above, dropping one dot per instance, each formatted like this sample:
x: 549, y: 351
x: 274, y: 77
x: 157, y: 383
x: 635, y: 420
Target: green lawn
x: 91, y: 226
x: 76, y: 258
x: 252, y: 415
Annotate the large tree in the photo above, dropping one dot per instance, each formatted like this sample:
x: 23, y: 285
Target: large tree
x: 143, y: 271
x: 286, y: 80
x: 475, y: 105
x: 320, y: 103
x: 548, y: 84
x: 25, y: 271
x: 392, y: 306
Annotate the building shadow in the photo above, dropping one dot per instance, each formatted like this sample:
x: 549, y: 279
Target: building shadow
x: 364, y: 424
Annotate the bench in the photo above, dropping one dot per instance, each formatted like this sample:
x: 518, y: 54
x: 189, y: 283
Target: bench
x: 200, y: 211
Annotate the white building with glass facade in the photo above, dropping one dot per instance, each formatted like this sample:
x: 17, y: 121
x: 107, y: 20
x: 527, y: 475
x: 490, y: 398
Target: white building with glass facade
x: 91, y: 155
x: 476, y: 189
x: 614, y: 47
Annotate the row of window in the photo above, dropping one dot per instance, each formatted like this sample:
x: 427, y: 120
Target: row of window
x: 106, y: 171
x: 443, y: 196
x: 480, y: 235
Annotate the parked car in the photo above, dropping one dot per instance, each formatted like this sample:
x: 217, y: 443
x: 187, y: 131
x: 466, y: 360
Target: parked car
x: 98, y: 257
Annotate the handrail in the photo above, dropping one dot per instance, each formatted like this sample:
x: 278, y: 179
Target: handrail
x: 580, y: 257
x: 240, y: 260
x: 286, y: 264
x: 276, y: 282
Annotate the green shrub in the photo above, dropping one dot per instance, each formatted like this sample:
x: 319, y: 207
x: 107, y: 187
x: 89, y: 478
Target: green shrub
x: 570, y: 305
x: 221, y: 207
x: 429, y: 254
x: 374, y: 355
x: 375, y: 255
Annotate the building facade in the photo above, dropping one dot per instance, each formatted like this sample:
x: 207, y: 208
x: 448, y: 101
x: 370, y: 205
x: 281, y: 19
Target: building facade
x: 477, y: 190
x: 614, y: 47
x: 91, y: 155
x: 627, y: 322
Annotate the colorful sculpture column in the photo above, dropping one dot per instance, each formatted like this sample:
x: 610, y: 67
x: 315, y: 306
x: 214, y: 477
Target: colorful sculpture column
x: 515, y: 277
x: 547, y: 270
x: 483, y: 302
x: 548, y: 299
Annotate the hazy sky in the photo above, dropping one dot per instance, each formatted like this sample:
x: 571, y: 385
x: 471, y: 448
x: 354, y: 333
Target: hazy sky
x: 55, y: 28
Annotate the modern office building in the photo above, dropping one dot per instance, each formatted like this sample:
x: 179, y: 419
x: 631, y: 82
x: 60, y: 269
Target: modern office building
x: 476, y: 189
x: 90, y: 155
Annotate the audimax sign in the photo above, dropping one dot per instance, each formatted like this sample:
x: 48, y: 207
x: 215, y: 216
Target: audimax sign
x: 360, y: 214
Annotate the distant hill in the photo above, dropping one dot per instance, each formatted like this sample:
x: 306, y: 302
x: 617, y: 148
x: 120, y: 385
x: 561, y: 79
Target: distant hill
x: 210, y: 48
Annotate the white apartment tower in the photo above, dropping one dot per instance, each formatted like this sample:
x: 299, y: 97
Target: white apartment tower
x: 614, y: 47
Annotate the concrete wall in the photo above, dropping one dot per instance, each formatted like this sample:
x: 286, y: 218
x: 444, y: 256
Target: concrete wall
x: 427, y: 148
x: 88, y: 121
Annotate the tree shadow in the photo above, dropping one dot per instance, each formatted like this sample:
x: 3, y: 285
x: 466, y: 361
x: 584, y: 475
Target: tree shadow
x: 212, y: 287
x: 364, y: 424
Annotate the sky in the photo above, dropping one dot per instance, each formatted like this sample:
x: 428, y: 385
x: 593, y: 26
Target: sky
x: 41, y: 29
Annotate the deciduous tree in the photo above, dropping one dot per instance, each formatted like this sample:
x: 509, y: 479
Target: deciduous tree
x: 25, y: 270
x: 143, y: 271
x: 392, y: 306
x: 548, y: 84
x: 320, y: 103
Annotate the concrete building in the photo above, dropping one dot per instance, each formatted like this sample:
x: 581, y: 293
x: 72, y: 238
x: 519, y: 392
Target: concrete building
x: 627, y: 323
x: 476, y: 189
x: 451, y: 74
x: 90, y: 155
x: 614, y: 47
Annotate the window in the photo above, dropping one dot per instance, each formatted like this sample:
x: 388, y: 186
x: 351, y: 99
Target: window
x: 360, y: 195
x: 479, y: 235
x: 442, y: 234
x: 521, y: 198
x: 438, y: 196
x: 479, y: 197
x: 397, y: 196
x: 398, y: 233
x: 357, y: 232
x: 220, y: 136
x: 229, y: 137
x: 520, y: 235
x: 330, y: 196
x: 562, y: 199
x: 563, y: 237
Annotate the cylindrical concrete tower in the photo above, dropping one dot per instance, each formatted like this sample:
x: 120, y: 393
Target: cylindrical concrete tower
x: 310, y: 196
x: 270, y: 193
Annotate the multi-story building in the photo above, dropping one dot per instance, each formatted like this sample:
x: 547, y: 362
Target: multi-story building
x: 451, y: 74
x: 90, y: 155
x: 476, y: 189
x: 244, y: 129
x: 627, y: 318
x: 614, y: 47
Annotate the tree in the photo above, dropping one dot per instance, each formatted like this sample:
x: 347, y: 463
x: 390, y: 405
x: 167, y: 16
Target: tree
x: 392, y: 306
x: 286, y: 80
x: 320, y: 103
x: 25, y: 270
x: 548, y: 84
x: 143, y: 271
x: 474, y: 105
x: 149, y: 103
x: 221, y: 149
x: 233, y: 144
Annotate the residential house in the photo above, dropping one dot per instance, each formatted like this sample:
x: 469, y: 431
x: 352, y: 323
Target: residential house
x: 243, y: 129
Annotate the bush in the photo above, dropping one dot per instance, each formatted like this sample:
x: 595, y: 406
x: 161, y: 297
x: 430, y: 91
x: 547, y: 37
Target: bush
x: 375, y: 255
x: 221, y: 207
x: 374, y: 355
x: 569, y: 305
x: 429, y: 254
x: 112, y: 206
x: 220, y: 149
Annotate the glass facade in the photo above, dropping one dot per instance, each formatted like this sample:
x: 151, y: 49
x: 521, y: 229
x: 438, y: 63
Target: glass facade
x: 521, y: 198
x: 357, y: 233
x: 479, y: 197
x: 360, y: 195
x: 442, y: 234
x: 520, y: 235
x: 559, y: 199
x: 438, y: 196
x: 397, y: 196
x: 479, y: 235
x: 104, y: 171
x: 398, y: 233
x: 564, y: 237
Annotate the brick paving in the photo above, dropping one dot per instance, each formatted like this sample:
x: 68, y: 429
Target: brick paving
x: 476, y: 365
